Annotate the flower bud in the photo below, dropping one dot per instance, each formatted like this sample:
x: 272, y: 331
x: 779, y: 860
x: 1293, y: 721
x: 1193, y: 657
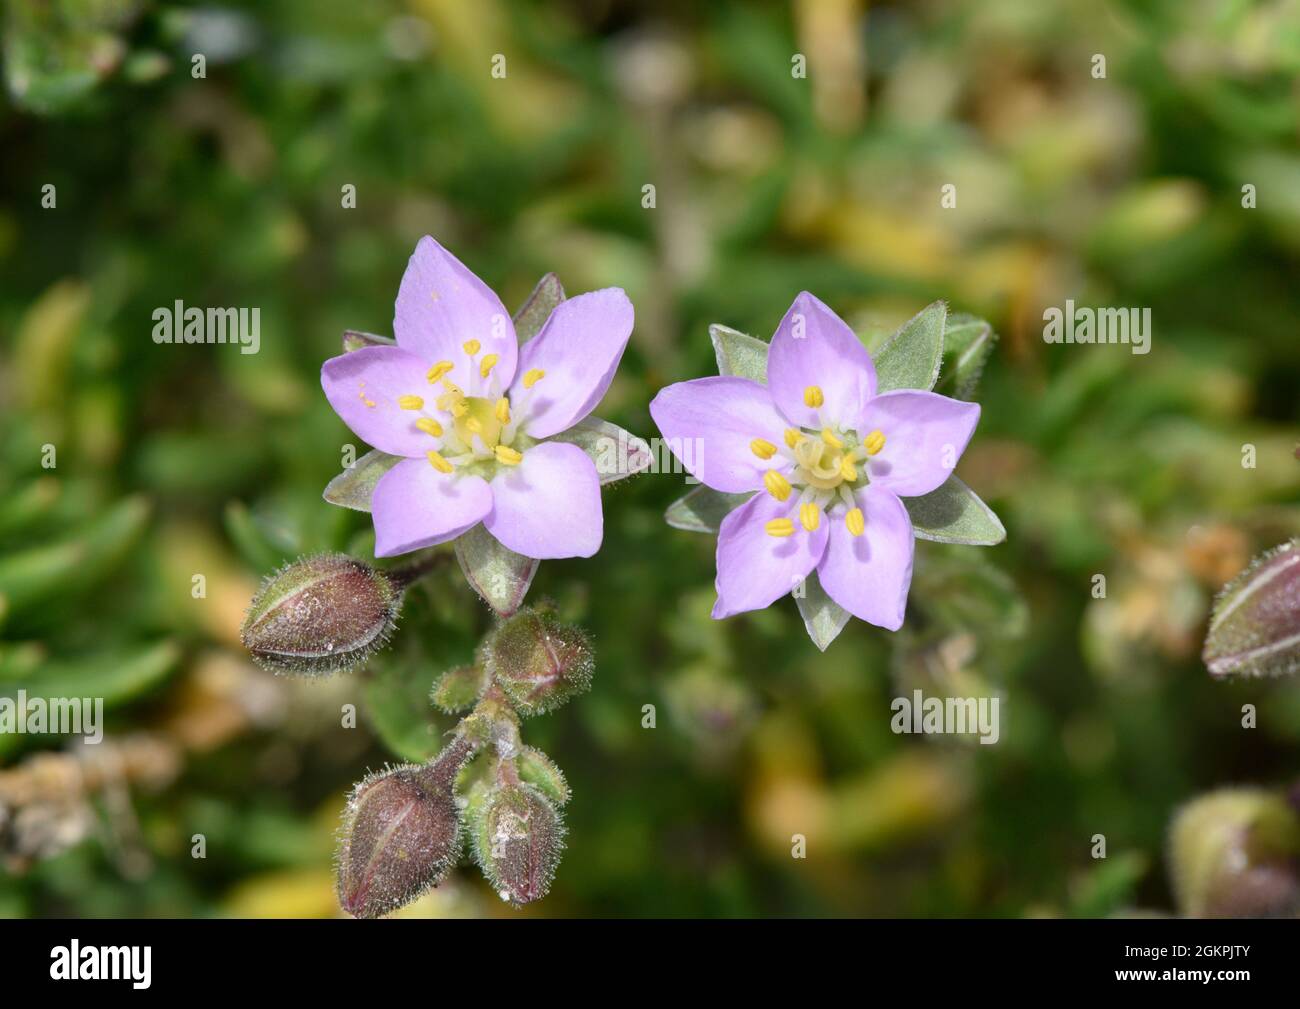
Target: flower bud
x: 539, y: 662
x: 518, y: 840
x: 1233, y: 854
x: 400, y: 834
x: 1255, y: 629
x: 321, y: 615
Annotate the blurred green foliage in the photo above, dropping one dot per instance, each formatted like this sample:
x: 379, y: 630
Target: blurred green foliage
x: 175, y: 461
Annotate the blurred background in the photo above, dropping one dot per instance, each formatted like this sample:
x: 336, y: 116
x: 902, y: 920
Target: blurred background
x: 227, y: 190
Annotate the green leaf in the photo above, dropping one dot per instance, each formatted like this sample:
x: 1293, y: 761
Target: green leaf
x: 540, y: 771
x: 953, y: 513
x: 397, y: 705
x: 968, y: 342
x: 499, y: 575
x: 258, y: 548
x: 458, y: 689
x: 616, y: 453
x: 354, y: 487
x: 822, y: 616
x: 534, y: 312
x: 702, y: 509
x: 910, y: 359
x: 739, y: 355
x: 354, y: 339
x: 117, y: 676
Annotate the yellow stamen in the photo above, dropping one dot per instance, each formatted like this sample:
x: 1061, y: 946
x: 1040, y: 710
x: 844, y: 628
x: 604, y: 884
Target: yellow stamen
x: 489, y: 362
x: 438, y: 462
x: 503, y: 410
x: 848, y: 470
x: 777, y: 485
x: 812, y: 396
x: 780, y: 527
x: 855, y: 521
x: 828, y: 436
x: 793, y: 436
x: 471, y: 347
x: 874, y: 442
x: 507, y: 455
x: 762, y: 449
x: 810, y: 516
x: 410, y: 402
x: 429, y: 426
x: 459, y: 409
x: 452, y: 387
x: 532, y: 377
x: 438, y: 370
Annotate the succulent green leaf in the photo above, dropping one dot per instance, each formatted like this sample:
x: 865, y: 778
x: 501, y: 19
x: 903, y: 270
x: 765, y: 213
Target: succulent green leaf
x: 540, y: 771
x: 458, y: 689
x: 738, y: 354
x: 953, y: 513
x: 968, y: 342
x: 499, y: 575
x: 910, y: 358
x: 537, y: 308
x: 822, y: 616
x: 354, y: 487
x: 616, y: 453
x: 702, y: 510
x: 354, y: 339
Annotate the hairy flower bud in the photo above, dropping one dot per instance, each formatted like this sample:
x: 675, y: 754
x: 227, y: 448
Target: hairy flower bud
x: 518, y: 840
x: 539, y: 662
x: 400, y: 834
x: 1255, y: 629
x: 1234, y: 854
x: 321, y: 615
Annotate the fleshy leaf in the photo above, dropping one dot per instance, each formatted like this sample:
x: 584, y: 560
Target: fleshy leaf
x: 702, y: 509
x: 1255, y: 629
x: 953, y: 513
x: 537, y: 308
x: 738, y: 354
x: 499, y: 575
x: 458, y: 689
x: 354, y: 339
x: 968, y: 342
x: 910, y: 358
x: 354, y: 487
x: 616, y: 453
x: 822, y: 616
x: 540, y: 771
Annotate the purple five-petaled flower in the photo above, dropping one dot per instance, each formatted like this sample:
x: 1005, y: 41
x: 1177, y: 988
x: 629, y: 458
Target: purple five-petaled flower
x: 471, y: 412
x: 829, y: 459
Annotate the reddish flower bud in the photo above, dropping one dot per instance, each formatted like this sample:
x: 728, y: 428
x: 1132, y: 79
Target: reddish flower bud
x: 518, y: 840
x: 539, y: 662
x: 1255, y: 629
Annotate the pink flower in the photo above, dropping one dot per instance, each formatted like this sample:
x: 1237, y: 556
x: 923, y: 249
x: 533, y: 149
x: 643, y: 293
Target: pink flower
x: 829, y: 459
x: 474, y: 414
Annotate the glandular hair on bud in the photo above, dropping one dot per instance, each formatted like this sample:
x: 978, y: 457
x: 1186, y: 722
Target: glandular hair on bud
x: 320, y: 615
x: 518, y: 841
x: 1235, y: 853
x: 1255, y: 629
x: 538, y: 661
x: 400, y: 834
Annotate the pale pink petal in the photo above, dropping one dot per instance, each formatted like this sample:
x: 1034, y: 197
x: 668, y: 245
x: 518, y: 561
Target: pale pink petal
x: 869, y: 575
x: 925, y: 435
x: 814, y: 346
x: 578, y: 348
x: 364, y: 386
x: 415, y: 506
x: 710, y: 425
x: 755, y: 569
x: 549, y: 505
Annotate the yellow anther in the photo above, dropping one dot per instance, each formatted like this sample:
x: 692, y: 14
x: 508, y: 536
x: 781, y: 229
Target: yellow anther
x: 762, y: 449
x: 532, y: 377
x: 779, y: 527
x: 874, y: 442
x: 777, y: 485
x: 812, y: 396
x: 503, y: 410
x: 828, y: 436
x: 855, y: 521
x: 810, y: 516
x: 475, y: 425
x: 489, y: 362
x: 438, y: 462
x: 507, y: 455
x: 452, y: 387
x: 471, y: 347
x: 429, y: 426
x: 459, y: 409
x: 847, y: 469
x: 438, y: 370
x: 793, y: 436
x: 410, y: 402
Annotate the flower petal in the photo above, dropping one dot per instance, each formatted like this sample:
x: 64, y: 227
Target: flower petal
x: 814, y: 346
x: 869, y: 575
x: 578, y: 348
x: 925, y: 435
x: 549, y: 505
x: 415, y: 506
x: 441, y: 305
x: 755, y: 569
x: 710, y: 423
x: 364, y: 386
